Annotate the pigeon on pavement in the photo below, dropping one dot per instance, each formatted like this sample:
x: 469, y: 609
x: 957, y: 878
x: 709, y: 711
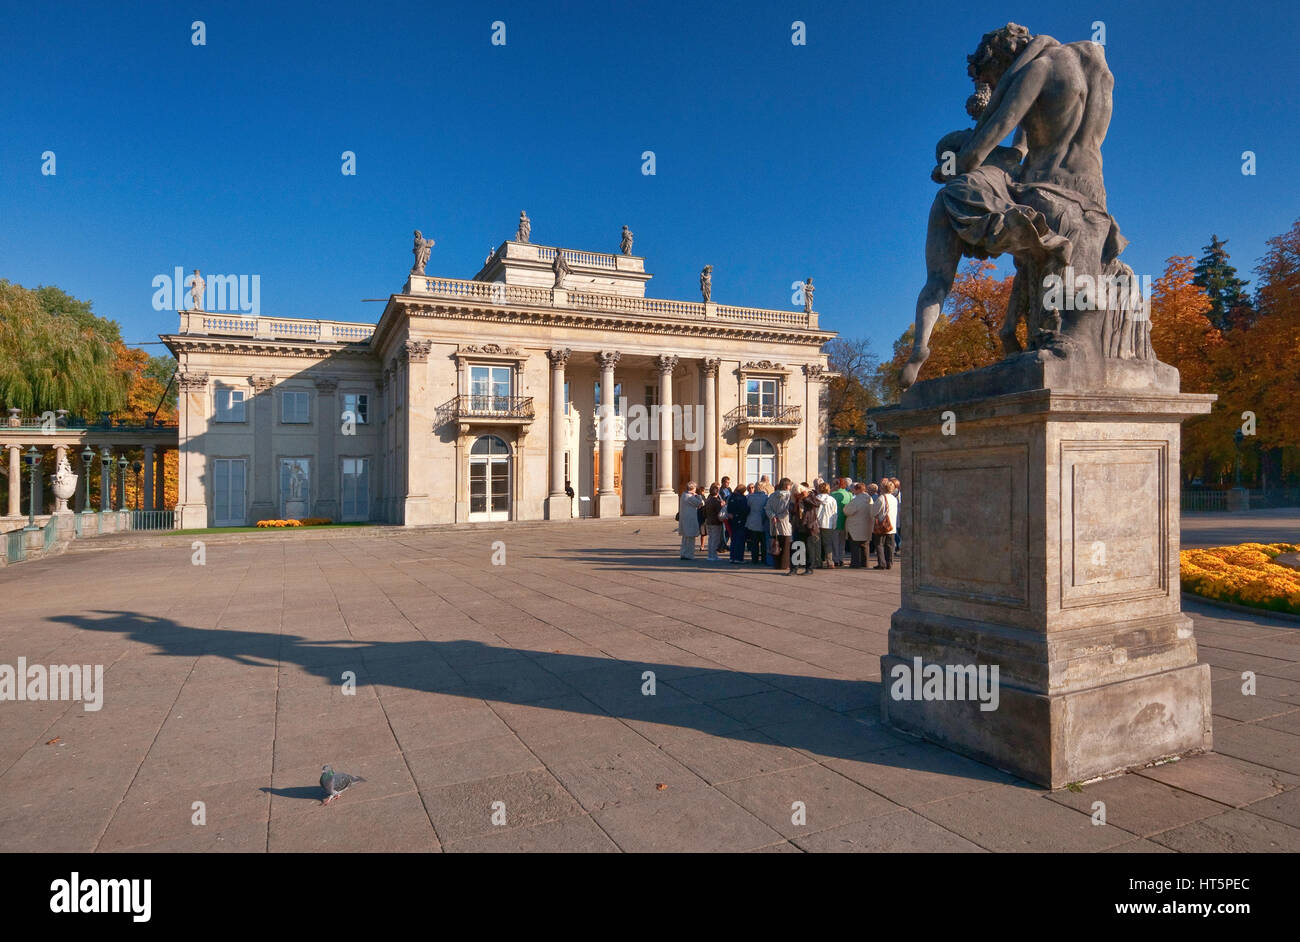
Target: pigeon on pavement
x: 335, y: 783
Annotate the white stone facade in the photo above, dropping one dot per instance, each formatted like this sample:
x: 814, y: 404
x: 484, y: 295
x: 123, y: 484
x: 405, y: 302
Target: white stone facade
x: 453, y: 408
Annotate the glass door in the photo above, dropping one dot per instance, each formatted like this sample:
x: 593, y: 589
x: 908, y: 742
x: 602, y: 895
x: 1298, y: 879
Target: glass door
x: 489, y: 479
x: 355, y: 503
x: 489, y: 388
x: 228, y: 492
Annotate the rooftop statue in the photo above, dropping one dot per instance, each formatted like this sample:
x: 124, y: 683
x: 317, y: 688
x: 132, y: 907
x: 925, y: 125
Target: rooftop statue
x: 525, y: 229
x: 421, y: 251
x: 626, y: 245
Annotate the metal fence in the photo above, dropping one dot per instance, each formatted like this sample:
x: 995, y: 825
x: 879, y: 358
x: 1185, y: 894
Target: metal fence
x: 152, y: 520
x: 1204, y: 500
x: 51, y: 532
x: 15, y: 549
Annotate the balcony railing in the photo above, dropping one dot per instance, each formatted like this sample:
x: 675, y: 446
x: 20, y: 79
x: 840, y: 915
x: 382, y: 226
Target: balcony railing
x: 767, y: 415
x: 275, y: 328
x: 495, y: 292
x: 516, y: 410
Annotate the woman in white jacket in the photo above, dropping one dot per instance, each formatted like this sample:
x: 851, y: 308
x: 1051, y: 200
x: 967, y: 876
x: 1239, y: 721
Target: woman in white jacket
x: 688, y: 520
x: 859, y: 515
x: 887, y: 523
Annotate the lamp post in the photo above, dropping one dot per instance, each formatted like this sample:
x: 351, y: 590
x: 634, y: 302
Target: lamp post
x: 105, y: 478
x: 1238, y: 497
x: 139, y: 491
x: 87, y: 457
x: 33, y: 459
x: 121, y: 482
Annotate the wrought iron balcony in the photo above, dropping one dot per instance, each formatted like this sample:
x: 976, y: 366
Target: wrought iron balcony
x: 485, y: 409
x: 766, y: 416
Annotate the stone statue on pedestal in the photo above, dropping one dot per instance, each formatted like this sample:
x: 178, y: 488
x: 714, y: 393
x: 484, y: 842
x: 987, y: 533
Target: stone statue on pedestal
x: 421, y: 252
x: 626, y: 245
x: 525, y: 229
x: 196, y: 291
x: 560, y: 267
x: 706, y: 283
x: 1042, y: 503
x: 808, y: 290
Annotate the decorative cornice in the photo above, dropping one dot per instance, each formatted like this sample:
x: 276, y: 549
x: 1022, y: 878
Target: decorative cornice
x: 608, y: 359
x: 327, y: 384
x: 665, y: 363
x: 711, y: 366
x: 265, y: 348
x: 814, y: 371
x: 261, y: 383
x: 764, y: 365
x: 559, y: 357
x: 417, y: 351
x: 190, y: 382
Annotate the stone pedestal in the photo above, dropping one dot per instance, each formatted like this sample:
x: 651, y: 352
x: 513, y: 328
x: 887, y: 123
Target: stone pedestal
x: 1238, y: 500
x: 1043, y: 534
x: 559, y: 507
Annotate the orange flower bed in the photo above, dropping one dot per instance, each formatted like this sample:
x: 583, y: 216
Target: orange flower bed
x: 304, y: 522
x: 1243, y: 575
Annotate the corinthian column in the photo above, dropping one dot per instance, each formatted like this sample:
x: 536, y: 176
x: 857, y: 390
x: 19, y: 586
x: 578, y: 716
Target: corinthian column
x: 558, y: 505
x: 665, y: 498
x: 709, y: 474
x: 607, y: 501
x: 15, y: 480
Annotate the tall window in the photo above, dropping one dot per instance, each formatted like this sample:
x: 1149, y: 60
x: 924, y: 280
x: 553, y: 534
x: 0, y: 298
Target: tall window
x: 230, y: 405
x: 356, y: 489
x: 760, y: 398
x: 651, y: 396
x: 566, y: 397
x: 489, y: 388
x: 295, y: 407
x: 359, y: 405
x: 650, y: 457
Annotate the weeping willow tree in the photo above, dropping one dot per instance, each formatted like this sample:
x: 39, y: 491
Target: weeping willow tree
x: 55, y: 354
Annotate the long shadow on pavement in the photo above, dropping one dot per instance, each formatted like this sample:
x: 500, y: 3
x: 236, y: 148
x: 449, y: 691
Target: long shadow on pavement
x: 803, y: 712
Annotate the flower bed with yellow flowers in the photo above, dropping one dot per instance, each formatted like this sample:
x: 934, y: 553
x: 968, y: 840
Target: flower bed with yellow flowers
x: 1245, y: 574
x: 304, y: 522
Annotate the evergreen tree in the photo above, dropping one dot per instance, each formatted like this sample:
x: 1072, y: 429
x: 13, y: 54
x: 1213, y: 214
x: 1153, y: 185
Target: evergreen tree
x: 1229, y: 302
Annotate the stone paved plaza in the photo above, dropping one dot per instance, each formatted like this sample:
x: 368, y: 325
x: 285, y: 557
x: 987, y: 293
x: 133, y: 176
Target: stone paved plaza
x: 523, y: 683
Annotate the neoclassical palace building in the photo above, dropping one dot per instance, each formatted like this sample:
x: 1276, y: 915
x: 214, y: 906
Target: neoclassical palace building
x: 481, y: 399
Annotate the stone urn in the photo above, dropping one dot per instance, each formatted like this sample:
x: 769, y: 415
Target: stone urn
x: 64, y: 485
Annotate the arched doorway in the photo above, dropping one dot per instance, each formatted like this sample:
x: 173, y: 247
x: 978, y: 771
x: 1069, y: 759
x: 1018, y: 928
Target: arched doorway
x: 760, y: 459
x: 489, y: 479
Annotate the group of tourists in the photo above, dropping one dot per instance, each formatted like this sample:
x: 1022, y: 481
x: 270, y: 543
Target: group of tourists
x: 794, y: 528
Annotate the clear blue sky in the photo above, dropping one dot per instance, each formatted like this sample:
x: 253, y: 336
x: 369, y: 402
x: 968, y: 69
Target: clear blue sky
x: 774, y: 162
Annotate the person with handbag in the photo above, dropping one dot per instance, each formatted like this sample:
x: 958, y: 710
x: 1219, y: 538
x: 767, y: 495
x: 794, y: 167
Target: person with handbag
x: 777, y: 511
x: 809, y: 528
x: 886, y: 522
x: 713, y: 511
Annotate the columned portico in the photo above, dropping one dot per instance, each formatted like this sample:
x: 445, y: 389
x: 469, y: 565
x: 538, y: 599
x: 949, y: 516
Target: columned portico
x: 710, y: 374
x: 665, y: 496
x: 558, y: 504
x: 607, y: 499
